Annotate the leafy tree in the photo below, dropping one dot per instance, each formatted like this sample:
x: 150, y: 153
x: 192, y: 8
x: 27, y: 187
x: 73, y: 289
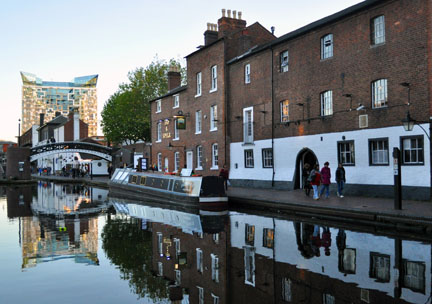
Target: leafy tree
x: 126, y: 114
x: 130, y: 248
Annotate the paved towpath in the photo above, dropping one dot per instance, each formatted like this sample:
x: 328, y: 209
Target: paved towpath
x: 362, y: 207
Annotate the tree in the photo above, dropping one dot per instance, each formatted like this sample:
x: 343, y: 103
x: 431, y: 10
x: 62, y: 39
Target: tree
x: 126, y: 114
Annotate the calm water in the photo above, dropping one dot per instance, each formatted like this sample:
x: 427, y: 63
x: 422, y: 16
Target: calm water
x: 74, y: 244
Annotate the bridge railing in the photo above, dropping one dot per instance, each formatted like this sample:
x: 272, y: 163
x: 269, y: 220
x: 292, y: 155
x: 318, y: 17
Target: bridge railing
x: 70, y: 145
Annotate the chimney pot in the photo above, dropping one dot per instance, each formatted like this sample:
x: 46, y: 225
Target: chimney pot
x: 208, y: 26
x: 229, y: 13
x: 239, y: 15
x: 235, y: 14
x: 223, y: 12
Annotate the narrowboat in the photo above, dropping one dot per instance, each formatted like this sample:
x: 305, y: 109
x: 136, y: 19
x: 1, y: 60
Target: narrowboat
x: 204, y: 191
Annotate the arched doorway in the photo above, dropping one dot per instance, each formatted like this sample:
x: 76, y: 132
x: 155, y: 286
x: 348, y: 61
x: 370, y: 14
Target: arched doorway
x: 304, y: 156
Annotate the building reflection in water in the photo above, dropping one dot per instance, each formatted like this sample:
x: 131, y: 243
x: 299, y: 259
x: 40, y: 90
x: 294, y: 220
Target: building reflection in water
x: 243, y: 258
x: 57, y: 222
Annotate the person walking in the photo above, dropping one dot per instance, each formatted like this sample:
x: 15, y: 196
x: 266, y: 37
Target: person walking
x: 340, y: 179
x: 305, y: 175
x: 224, y: 173
x: 325, y: 179
x: 315, y: 181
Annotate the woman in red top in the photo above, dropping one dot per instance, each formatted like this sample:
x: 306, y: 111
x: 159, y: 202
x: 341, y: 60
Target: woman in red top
x: 315, y: 178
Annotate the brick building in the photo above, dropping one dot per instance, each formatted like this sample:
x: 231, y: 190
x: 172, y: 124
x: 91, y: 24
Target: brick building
x: 202, y: 145
x: 336, y: 90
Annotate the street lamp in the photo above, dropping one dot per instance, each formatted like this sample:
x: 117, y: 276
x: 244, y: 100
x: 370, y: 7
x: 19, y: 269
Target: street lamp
x: 19, y: 132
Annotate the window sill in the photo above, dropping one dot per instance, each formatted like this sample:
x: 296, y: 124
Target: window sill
x: 214, y: 168
x: 248, y: 144
x: 197, y: 95
x: 199, y: 169
x: 372, y: 46
x: 176, y: 139
x: 213, y: 130
x: 197, y: 133
x: 348, y: 165
x: 247, y: 82
x: 380, y: 108
x: 412, y: 164
x: 379, y: 165
x: 326, y: 59
x: 213, y: 90
x: 158, y: 112
x: 249, y: 167
x: 176, y: 107
x: 158, y: 141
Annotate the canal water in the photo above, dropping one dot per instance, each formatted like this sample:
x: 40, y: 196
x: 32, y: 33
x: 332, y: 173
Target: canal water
x: 63, y: 243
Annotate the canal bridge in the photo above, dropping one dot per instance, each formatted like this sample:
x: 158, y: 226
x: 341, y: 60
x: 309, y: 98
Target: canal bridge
x: 44, y: 151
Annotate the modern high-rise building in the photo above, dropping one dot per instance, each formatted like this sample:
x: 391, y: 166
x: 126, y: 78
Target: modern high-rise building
x: 49, y: 97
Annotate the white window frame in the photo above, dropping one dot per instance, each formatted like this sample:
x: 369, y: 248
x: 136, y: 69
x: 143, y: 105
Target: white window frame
x: 198, y: 122
x: 215, y: 157
x: 199, y: 157
x: 379, y: 151
x: 213, y: 118
x: 326, y: 103
x: 176, y: 131
x: 247, y: 73
x: 160, y: 269
x: 249, y: 158
x: 158, y: 106
x: 416, y: 151
x: 248, y: 133
x: 176, y: 161
x: 284, y: 61
x: 199, y: 260
x: 378, y: 30
x: 267, y: 158
x: 327, y: 46
x: 200, y: 295
x: 286, y: 289
x: 178, y: 277
x: 215, y: 267
x: 159, y: 161
x: 346, y: 152
x: 199, y: 84
x: 176, y: 101
x: 215, y: 299
x: 160, y: 243
x: 379, y: 93
x: 159, y: 132
x: 284, y: 110
x: 213, y: 76
x: 249, y: 264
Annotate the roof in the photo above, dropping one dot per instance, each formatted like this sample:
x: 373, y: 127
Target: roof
x: 56, y: 121
x: 83, y: 81
x: 172, y: 92
x: 311, y: 27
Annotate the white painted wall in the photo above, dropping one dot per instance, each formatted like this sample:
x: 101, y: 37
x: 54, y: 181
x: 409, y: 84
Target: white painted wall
x: 286, y: 151
x: 76, y: 125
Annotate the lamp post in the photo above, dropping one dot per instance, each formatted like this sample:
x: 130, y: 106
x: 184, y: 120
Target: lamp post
x: 19, y: 132
x: 408, y: 124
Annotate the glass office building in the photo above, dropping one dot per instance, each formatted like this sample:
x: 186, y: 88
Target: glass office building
x: 49, y: 97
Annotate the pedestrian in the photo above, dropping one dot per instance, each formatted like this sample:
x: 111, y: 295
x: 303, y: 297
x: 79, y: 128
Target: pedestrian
x: 305, y: 175
x: 325, y: 179
x: 315, y: 181
x: 110, y: 170
x: 326, y: 240
x: 224, y: 173
x: 340, y: 180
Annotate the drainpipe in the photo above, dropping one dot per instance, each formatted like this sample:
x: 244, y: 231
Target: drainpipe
x: 226, y: 87
x: 272, y: 118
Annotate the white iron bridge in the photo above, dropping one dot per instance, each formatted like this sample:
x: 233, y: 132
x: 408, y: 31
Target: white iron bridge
x: 70, y: 147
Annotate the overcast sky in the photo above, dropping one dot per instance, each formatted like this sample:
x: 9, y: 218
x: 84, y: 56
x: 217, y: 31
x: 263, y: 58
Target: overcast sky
x: 58, y: 40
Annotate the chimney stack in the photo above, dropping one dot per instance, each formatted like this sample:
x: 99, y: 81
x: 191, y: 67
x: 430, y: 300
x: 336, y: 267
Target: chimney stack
x: 211, y: 34
x: 228, y: 25
x: 41, y: 119
x: 57, y: 114
x: 174, y: 77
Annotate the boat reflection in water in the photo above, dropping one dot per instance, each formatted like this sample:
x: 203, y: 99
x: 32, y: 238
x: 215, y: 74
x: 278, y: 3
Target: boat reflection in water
x: 64, y: 224
x: 241, y: 258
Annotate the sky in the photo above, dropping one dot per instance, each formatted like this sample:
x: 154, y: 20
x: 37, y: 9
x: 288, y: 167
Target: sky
x: 59, y: 40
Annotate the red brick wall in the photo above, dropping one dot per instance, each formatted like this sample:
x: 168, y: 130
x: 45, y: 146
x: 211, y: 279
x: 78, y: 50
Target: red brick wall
x: 354, y: 66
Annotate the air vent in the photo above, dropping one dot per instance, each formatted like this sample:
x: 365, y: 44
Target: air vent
x: 364, y: 295
x: 363, y: 121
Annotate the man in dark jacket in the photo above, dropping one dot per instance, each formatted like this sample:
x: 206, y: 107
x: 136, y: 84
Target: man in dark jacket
x: 340, y: 179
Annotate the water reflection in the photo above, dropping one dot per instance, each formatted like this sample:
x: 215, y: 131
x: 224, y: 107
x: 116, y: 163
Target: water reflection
x: 178, y: 255
x: 64, y: 225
